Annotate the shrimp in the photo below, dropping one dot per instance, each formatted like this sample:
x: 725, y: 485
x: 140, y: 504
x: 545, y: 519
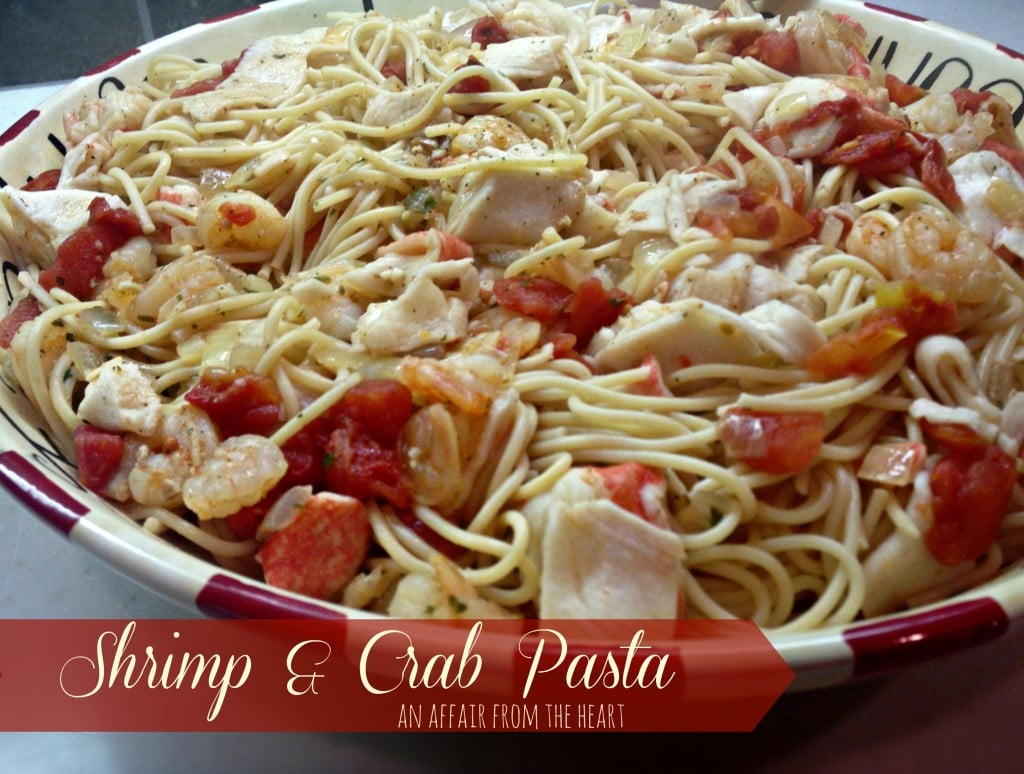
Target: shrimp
x: 431, y: 243
x: 241, y: 220
x: 446, y: 594
x: 429, y: 445
x: 185, y: 439
x: 932, y: 248
x: 180, y: 285
x: 117, y: 110
x: 241, y: 472
x: 468, y: 382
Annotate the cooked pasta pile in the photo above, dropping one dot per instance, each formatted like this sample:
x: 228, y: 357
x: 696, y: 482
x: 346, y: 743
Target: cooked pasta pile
x: 527, y: 311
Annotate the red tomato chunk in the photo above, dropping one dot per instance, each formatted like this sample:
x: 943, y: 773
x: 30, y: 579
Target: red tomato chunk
x: 776, y: 443
x: 237, y: 401
x: 81, y: 257
x: 488, y: 30
x: 26, y: 309
x: 98, y: 454
x: 970, y: 496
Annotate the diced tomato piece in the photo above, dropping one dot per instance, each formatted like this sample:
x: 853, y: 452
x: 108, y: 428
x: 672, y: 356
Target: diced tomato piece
x: 359, y: 466
x: 626, y: 482
x: 874, y: 154
x: 951, y: 438
x: 759, y: 216
x: 906, y: 314
x: 776, y: 443
x: 902, y: 93
x: 238, y: 401
x: 98, y: 455
x: 80, y: 260
x: 1011, y: 156
x: 208, y: 84
x: 857, y: 352
x: 779, y: 50
x: 920, y: 312
x: 970, y: 496
x: 935, y: 174
x: 488, y: 30
x: 26, y: 309
x: 244, y: 522
x: 44, y: 181
x: 380, y: 407
x: 320, y: 549
x: 474, y: 84
x: 591, y: 308
x: 237, y: 214
x: 81, y: 257
x: 395, y: 69
x: 580, y: 313
x: 541, y: 298
x: 654, y: 383
x: 119, y: 219
x: 968, y: 101
x: 859, y: 67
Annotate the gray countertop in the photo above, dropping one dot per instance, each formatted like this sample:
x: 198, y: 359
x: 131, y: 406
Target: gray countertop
x: 960, y: 713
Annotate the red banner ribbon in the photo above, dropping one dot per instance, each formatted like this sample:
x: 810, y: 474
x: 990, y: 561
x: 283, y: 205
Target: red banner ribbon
x: 386, y: 675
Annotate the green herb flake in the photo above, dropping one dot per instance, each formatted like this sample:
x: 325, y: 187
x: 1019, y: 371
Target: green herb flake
x: 457, y: 604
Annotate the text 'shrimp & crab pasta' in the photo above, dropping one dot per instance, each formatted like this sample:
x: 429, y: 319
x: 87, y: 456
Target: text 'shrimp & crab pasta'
x: 519, y: 310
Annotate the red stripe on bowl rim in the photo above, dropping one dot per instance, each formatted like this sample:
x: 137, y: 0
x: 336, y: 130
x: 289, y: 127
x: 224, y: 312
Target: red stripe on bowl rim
x: 18, y: 127
x: 225, y: 597
x: 1009, y: 51
x: 893, y: 12
x: 113, y: 62
x: 887, y: 645
x: 39, y: 492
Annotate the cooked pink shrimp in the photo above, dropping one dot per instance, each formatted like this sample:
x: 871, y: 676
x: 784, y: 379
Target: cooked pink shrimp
x: 429, y: 242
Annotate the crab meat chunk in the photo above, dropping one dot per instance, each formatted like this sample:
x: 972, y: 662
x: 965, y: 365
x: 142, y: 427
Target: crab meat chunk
x: 421, y: 316
x: 691, y: 331
x: 599, y: 559
x: 272, y: 70
x: 532, y: 59
x: 37, y: 222
x: 532, y: 199
x: 121, y: 398
x: 902, y: 566
x: 320, y: 547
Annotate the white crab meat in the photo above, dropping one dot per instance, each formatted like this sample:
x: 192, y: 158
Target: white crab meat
x: 271, y: 70
x: 423, y: 315
x: 511, y: 206
x: 387, y: 108
x: 37, y: 222
x: 902, y: 566
x: 598, y: 560
x: 525, y: 59
x: 746, y: 106
x: 992, y: 192
x: 121, y: 398
x: 739, y: 283
x: 692, y: 332
x: 794, y: 101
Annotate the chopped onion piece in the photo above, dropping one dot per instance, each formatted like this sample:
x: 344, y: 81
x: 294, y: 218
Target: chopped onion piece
x: 893, y: 463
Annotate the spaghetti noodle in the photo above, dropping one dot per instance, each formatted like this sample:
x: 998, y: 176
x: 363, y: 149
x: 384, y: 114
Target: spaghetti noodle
x: 523, y: 310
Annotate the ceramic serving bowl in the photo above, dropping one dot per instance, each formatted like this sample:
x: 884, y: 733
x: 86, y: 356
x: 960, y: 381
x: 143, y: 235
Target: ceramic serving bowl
x: 914, y: 49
